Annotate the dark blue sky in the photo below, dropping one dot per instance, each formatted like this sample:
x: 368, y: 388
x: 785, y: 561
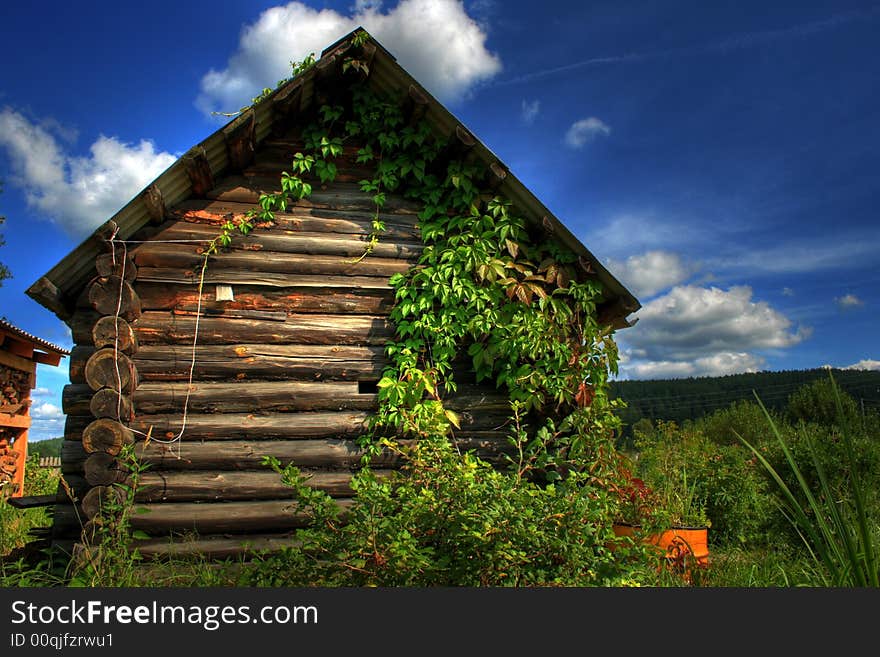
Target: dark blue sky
x: 721, y: 159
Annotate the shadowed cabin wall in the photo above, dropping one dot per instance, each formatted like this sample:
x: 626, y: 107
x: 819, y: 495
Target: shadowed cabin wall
x: 286, y: 368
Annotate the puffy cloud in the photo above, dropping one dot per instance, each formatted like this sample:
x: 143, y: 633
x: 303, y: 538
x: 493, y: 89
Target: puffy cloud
x: 585, y: 130
x: 866, y: 364
x: 700, y: 331
x: 716, y: 365
x: 848, y: 301
x: 46, y: 411
x: 651, y: 272
x: 78, y: 193
x: 530, y: 110
x: 435, y: 40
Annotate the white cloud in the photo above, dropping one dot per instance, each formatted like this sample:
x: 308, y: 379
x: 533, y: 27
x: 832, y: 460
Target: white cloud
x: 435, y: 40
x: 651, y: 272
x: 78, y: 193
x: 787, y: 292
x: 585, y: 130
x: 41, y: 391
x: 700, y: 331
x: 530, y: 110
x: 866, y: 364
x: 719, y: 364
x: 46, y: 411
x: 848, y: 301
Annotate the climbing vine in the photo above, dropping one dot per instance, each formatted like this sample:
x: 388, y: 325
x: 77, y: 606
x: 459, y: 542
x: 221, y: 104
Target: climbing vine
x: 492, y: 295
x: 487, y: 288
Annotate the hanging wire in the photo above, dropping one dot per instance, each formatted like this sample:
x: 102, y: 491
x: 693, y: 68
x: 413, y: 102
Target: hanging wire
x: 178, y: 438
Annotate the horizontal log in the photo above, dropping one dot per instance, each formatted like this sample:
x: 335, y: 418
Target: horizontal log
x: 276, y: 239
x: 235, y: 485
x: 162, y: 327
x: 337, y: 196
x: 191, y: 455
x: 79, y: 356
x: 256, y: 361
x: 75, y: 424
x: 245, y: 396
x: 236, y: 426
x: 160, y: 296
x: 260, y: 361
x: 213, y: 547
x: 232, y: 276
x: 236, y: 455
x: 109, y: 403
x: 75, y: 399
x: 67, y: 521
x: 81, y: 324
x: 31, y: 501
x: 188, y: 258
x: 216, y: 517
x: 308, y: 220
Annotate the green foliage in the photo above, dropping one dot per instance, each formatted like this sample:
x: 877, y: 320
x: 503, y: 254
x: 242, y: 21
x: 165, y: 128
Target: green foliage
x: 740, y: 418
x: 817, y: 402
x: 48, y: 447
x: 680, y: 400
x: 699, y: 482
x: 108, y: 558
x: 449, y: 519
x: 513, y: 304
x: 16, y: 523
x: 668, y: 460
x: 837, y: 525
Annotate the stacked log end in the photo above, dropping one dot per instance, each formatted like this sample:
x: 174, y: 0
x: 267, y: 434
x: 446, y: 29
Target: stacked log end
x: 104, y: 404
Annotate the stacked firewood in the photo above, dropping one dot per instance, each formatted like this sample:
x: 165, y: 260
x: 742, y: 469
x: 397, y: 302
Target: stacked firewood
x: 8, y: 461
x: 14, y: 390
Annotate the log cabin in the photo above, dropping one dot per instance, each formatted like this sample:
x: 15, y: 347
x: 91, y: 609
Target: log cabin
x: 273, y: 350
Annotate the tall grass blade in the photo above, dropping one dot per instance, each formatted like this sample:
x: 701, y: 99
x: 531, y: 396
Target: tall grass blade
x: 837, y: 533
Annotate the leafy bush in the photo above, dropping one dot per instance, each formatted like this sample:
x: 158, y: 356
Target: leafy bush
x: 836, y: 522
x: 699, y: 481
x: 450, y: 519
x: 741, y: 418
x: 816, y: 402
x: 16, y: 523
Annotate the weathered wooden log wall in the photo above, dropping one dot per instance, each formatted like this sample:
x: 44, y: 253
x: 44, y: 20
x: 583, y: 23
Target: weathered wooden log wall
x: 286, y: 368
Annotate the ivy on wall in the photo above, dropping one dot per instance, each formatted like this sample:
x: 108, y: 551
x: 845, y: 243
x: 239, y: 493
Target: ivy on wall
x: 487, y: 286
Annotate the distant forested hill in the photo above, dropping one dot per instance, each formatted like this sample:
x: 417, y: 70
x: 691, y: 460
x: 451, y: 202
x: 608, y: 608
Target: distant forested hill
x: 684, y: 399
x: 49, y: 447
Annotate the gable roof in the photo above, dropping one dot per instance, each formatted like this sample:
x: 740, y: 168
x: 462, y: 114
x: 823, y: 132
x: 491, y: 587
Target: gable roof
x: 43, y: 351
x: 218, y: 154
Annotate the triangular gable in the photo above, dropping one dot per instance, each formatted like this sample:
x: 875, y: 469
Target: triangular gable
x: 231, y: 147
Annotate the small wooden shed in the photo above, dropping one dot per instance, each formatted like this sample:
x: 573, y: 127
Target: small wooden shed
x: 20, y: 352
x: 290, y: 330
